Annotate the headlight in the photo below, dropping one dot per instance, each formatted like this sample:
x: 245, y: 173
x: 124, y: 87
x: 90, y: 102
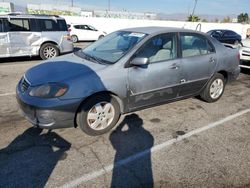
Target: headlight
x: 51, y: 90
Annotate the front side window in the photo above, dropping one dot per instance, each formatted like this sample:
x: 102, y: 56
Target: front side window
x: 114, y: 46
x: 160, y: 48
x: 194, y: 45
x: 19, y: 25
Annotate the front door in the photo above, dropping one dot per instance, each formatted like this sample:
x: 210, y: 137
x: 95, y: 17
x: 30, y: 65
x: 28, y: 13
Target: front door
x: 158, y: 81
x: 198, y: 63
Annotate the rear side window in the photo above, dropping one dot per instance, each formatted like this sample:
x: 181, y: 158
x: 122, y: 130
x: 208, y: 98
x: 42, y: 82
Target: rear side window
x: 62, y: 25
x: 194, y: 45
x: 229, y: 34
x: 19, y: 25
x: 47, y: 25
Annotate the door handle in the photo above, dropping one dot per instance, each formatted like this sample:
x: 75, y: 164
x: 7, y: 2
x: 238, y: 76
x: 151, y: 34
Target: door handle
x: 211, y: 60
x: 174, y: 66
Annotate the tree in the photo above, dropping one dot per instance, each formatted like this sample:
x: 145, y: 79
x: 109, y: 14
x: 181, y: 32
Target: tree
x: 193, y: 18
x: 226, y: 20
x: 243, y: 18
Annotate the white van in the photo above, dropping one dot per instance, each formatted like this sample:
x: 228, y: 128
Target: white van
x: 31, y: 35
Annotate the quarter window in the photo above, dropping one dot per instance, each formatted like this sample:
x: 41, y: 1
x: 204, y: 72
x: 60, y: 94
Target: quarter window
x: 19, y: 25
x: 160, y: 48
x: 193, y: 45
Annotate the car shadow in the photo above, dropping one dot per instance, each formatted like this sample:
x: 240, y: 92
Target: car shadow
x: 30, y: 158
x: 245, y: 71
x: 128, y: 139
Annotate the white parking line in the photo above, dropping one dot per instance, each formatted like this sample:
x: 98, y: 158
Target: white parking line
x: 159, y: 147
x: 7, y: 94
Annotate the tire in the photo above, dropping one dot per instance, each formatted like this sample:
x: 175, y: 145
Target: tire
x: 48, y: 51
x: 214, y: 89
x: 100, y: 37
x: 95, y: 121
x: 74, y: 38
x: 236, y: 42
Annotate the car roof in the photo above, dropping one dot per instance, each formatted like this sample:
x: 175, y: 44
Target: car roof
x: 157, y: 30
x: 40, y: 16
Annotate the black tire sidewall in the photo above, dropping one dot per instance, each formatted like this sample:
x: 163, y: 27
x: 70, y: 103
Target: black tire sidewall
x: 44, y: 46
x: 86, y: 106
x: 206, y: 92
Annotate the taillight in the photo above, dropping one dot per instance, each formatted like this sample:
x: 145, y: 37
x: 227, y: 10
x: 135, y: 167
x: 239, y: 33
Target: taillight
x: 67, y: 37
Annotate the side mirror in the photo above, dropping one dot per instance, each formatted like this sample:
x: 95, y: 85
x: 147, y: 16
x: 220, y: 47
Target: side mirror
x: 139, y: 61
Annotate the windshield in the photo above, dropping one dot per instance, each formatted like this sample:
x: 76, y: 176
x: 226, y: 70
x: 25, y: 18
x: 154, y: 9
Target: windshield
x: 114, y: 46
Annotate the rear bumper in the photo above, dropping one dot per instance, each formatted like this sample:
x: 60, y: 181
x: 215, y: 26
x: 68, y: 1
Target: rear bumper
x: 234, y: 74
x: 66, y: 46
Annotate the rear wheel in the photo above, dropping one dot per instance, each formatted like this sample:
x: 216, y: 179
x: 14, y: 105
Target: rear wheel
x: 48, y: 51
x: 98, y: 114
x: 74, y: 38
x: 214, y: 89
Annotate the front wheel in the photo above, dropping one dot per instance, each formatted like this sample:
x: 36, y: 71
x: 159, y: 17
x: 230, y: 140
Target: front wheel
x: 214, y: 89
x: 98, y: 114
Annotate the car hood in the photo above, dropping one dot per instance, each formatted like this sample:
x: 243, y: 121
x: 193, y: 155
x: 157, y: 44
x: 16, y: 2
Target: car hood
x: 61, y: 69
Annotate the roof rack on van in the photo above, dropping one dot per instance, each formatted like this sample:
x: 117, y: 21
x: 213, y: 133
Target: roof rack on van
x: 24, y: 14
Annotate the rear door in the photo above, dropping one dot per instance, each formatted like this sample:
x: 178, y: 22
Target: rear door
x: 198, y: 62
x: 5, y: 48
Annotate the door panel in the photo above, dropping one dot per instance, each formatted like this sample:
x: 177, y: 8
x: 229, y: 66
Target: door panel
x: 158, y: 81
x: 198, y: 63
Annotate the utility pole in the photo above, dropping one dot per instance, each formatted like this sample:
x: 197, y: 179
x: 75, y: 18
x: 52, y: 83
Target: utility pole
x: 72, y: 3
x: 195, y: 3
x: 108, y: 5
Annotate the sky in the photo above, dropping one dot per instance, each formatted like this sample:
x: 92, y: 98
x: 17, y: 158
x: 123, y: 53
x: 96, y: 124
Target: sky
x: 212, y: 7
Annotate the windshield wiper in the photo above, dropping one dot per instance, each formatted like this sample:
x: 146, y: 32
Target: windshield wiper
x: 89, y: 57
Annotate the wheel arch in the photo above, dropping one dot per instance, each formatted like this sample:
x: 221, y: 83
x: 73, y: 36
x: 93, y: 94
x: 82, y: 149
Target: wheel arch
x: 50, y: 42
x: 225, y: 74
x: 120, y: 102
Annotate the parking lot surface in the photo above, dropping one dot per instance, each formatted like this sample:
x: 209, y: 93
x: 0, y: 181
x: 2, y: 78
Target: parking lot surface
x: 188, y: 143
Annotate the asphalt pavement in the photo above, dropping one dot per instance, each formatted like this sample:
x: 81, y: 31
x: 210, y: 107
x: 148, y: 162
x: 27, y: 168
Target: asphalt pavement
x: 188, y: 143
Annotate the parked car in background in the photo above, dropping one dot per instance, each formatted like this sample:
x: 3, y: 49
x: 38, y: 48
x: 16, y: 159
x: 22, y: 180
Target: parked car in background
x: 225, y: 36
x: 31, y: 35
x: 81, y: 32
x: 245, y: 53
x: 126, y: 71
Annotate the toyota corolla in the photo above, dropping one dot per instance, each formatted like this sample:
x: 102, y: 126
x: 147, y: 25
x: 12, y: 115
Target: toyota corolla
x: 125, y: 71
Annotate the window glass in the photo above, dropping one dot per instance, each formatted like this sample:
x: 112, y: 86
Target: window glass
x: 1, y: 26
x: 160, y: 48
x: 19, y: 25
x: 77, y: 26
x: 48, y: 25
x: 229, y: 34
x: 193, y: 45
x: 114, y: 46
x: 62, y: 25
